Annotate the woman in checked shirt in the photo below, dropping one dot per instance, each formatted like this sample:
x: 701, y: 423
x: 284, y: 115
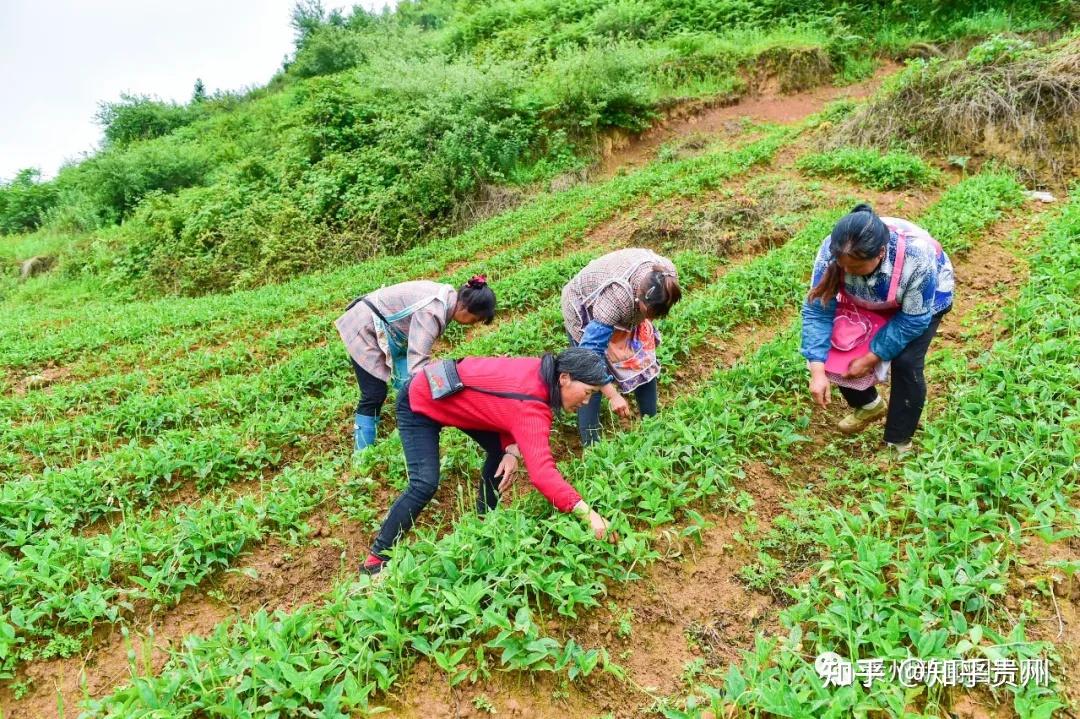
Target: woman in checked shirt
x: 389, y: 334
x: 618, y: 293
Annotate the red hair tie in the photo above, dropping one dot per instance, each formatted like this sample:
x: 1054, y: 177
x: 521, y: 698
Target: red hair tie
x: 477, y: 281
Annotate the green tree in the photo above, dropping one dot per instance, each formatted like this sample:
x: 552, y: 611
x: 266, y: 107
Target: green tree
x: 24, y: 201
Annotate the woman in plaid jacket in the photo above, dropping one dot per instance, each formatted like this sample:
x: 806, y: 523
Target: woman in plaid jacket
x: 618, y: 292
x: 389, y: 334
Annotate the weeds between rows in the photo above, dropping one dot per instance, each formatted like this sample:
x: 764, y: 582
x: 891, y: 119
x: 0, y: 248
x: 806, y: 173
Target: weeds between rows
x: 339, y: 654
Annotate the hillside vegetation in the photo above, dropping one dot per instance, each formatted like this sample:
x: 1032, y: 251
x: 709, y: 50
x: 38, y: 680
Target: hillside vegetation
x: 383, y: 130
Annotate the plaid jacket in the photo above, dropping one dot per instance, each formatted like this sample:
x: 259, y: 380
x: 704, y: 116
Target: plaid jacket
x: 423, y: 327
x: 619, y: 273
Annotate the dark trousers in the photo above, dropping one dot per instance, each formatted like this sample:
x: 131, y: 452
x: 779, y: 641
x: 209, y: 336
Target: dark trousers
x: 420, y: 441
x: 588, y: 417
x: 908, y: 392
x: 372, y: 391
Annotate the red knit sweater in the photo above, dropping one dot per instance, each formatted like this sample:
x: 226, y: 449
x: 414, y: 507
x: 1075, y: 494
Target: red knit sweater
x: 526, y: 423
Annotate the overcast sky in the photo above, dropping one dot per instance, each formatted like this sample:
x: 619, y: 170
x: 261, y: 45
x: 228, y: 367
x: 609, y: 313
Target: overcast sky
x: 59, y: 58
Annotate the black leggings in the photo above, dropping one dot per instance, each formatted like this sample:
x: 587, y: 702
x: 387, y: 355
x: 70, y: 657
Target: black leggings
x: 372, y: 391
x: 908, y: 392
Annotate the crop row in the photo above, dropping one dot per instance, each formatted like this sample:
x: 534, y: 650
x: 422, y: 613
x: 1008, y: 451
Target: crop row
x: 468, y: 599
x: 27, y: 498
x: 195, y: 438
x: 694, y: 268
x: 75, y: 582
x: 38, y: 518
x: 236, y: 395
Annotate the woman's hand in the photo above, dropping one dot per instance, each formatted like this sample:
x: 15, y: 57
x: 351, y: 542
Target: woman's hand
x: 862, y: 366
x: 616, y: 402
x: 620, y: 406
x: 819, y: 384
x: 601, y: 529
x: 506, y: 470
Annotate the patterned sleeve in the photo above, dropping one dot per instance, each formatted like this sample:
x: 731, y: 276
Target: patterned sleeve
x: 596, y: 337
x: 426, y: 326
x: 817, y: 316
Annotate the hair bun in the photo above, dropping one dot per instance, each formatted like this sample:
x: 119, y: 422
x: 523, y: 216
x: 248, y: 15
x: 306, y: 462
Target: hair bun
x: 477, y: 281
x: 862, y: 207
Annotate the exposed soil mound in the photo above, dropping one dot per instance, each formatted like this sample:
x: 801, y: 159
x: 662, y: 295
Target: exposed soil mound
x: 1004, y: 101
x: 792, y: 69
x: 745, y: 222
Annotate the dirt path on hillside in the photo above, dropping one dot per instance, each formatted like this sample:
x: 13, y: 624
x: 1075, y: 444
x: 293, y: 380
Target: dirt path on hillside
x: 621, y: 152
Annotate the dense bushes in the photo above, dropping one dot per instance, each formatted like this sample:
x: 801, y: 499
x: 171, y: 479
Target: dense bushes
x: 138, y: 117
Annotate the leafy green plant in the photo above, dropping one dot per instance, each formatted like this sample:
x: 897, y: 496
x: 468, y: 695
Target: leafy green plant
x: 882, y: 171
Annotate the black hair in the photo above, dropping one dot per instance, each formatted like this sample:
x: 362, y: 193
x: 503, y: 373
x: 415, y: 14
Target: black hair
x: 477, y: 297
x: 660, y: 292
x: 581, y: 364
x: 860, y: 234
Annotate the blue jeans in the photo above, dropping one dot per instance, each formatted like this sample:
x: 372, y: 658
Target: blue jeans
x: 588, y: 417
x: 420, y: 441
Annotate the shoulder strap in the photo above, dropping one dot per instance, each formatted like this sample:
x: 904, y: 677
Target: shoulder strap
x: 373, y: 308
x: 507, y: 395
x: 621, y: 282
x: 898, y: 265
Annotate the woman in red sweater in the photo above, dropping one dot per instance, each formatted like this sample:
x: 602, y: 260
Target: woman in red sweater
x: 507, y: 406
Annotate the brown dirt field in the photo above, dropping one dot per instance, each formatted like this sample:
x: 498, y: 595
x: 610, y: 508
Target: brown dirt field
x: 1055, y: 615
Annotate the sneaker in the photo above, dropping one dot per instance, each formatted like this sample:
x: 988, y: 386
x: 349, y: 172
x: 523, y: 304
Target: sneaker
x: 858, y: 420
x: 372, y: 565
x: 900, y: 449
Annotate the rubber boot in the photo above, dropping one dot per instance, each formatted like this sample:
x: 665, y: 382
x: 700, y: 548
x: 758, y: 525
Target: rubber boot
x: 364, y: 431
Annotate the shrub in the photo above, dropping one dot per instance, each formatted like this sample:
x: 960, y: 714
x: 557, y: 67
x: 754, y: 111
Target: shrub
x: 139, y: 117
x: 117, y: 179
x: 25, y: 200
